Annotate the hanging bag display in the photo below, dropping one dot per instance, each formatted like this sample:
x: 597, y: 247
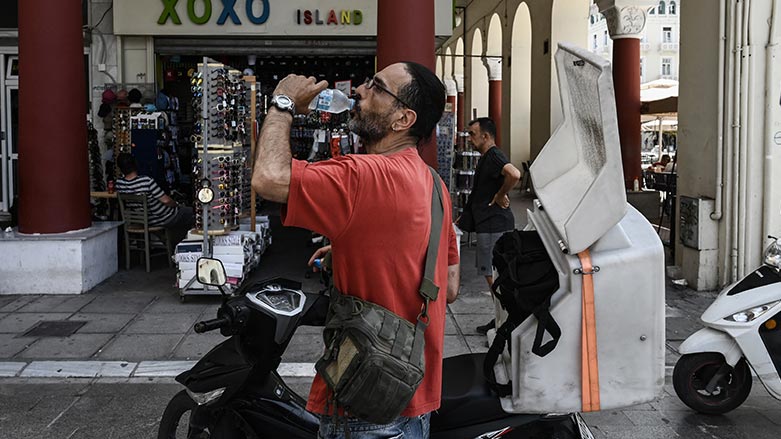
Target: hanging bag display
x: 374, y: 359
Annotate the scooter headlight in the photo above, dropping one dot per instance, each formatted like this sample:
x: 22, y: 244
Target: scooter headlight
x: 207, y: 397
x: 772, y: 256
x: 750, y: 314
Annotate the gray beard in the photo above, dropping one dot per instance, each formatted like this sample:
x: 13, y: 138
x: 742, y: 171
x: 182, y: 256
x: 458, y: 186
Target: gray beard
x: 370, y: 127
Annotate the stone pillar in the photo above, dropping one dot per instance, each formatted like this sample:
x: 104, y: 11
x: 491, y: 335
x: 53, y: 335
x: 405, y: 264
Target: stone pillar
x: 405, y: 32
x: 53, y: 170
x: 459, y: 102
x: 494, y: 66
x: 625, y: 22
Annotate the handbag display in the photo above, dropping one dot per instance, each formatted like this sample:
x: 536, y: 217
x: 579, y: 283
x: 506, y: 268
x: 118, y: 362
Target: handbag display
x: 374, y: 359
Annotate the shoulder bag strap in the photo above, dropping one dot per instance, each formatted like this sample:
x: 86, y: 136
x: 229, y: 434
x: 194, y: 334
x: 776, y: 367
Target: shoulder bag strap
x: 428, y: 289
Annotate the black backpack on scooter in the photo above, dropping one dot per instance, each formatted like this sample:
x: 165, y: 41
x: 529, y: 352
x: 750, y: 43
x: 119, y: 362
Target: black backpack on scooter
x: 526, y: 279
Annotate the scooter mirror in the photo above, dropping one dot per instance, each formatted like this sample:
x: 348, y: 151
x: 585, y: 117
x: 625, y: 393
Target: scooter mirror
x: 211, y: 272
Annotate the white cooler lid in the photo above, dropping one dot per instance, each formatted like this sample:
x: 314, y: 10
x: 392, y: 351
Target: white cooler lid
x: 578, y: 176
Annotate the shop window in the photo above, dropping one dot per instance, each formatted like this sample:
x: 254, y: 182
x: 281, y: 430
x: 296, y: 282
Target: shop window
x: 662, y: 8
x: 672, y: 9
x: 667, y: 34
x: 667, y: 66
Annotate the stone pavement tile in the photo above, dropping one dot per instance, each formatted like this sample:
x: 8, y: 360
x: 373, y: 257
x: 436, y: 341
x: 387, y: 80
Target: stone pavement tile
x: 304, y: 348
x: 162, y: 368
x: 678, y: 328
x: 635, y: 432
x: 13, y: 303
x: 77, y: 346
x: 614, y: 417
x: 455, y: 345
x: 125, y: 302
x: 162, y: 324
x: 46, y: 409
x: 89, y: 369
x: 11, y: 369
x: 57, y: 303
x: 646, y: 417
x: 450, y: 325
x: 195, y: 346
x: 477, y: 343
x: 468, y: 323
x: 139, y: 347
x: 194, y: 304
x: 108, y: 411
x: 101, y: 323
x: 19, y: 323
x: 477, y: 303
x: 317, y: 330
x: 761, y: 402
x: 11, y: 345
x: 773, y: 415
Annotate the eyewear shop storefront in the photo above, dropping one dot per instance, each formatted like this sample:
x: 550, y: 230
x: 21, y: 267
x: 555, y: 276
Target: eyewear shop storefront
x: 158, y: 40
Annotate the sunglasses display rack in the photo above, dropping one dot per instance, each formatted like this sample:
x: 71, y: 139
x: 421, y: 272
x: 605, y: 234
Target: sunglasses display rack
x: 121, y: 124
x: 464, y: 165
x: 222, y: 138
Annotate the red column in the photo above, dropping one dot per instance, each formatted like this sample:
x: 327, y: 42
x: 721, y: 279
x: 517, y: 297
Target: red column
x: 626, y: 80
x: 460, y: 111
x: 495, y: 109
x: 53, y: 172
x: 405, y: 32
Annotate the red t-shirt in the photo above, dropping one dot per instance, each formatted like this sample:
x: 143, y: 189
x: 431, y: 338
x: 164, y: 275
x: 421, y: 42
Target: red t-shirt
x: 376, y: 210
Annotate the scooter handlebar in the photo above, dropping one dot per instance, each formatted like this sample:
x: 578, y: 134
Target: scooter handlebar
x: 210, y: 325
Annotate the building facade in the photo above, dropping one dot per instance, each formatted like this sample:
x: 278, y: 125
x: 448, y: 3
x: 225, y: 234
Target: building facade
x: 659, y: 44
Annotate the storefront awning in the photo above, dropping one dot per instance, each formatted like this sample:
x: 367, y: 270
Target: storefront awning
x: 264, y: 46
x: 659, y: 97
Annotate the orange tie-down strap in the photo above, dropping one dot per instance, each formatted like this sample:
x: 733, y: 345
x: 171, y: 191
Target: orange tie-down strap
x: 588, y: 352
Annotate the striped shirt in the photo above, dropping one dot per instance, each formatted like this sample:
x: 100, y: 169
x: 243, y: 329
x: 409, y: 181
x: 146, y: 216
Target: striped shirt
x: 159, y: 213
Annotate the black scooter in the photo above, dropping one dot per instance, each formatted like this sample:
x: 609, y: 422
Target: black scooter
x: 234, y: 391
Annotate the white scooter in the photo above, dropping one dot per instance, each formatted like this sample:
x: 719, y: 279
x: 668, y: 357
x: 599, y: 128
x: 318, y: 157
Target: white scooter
x: 743, y: 332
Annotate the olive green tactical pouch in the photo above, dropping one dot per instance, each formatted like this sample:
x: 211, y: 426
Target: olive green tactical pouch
x: 374, y: 359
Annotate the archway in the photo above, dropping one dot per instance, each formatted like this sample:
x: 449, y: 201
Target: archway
x: 569, y: 23
x: 478, y: 83
x: 520, y: 96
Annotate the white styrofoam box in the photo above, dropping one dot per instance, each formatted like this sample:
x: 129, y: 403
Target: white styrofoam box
x: 186, y: 274
x: 578, y: 176
x: 228, y: 250
x: 231, y: 259
x: 234, y: 270
x: 187, y: 266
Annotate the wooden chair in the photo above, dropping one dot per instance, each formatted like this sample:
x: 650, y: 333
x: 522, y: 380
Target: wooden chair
x: 135, y: 212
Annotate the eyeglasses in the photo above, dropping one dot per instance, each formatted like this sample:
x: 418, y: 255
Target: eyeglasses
x: 373, y: 82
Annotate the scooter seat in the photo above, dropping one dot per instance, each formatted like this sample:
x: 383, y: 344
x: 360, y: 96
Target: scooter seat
x: 466, y: 397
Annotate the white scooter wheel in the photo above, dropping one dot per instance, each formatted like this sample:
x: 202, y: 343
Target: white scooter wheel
x: 692, y: 374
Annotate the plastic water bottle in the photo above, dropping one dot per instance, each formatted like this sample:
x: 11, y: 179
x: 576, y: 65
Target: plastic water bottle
x: 332, y: 101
